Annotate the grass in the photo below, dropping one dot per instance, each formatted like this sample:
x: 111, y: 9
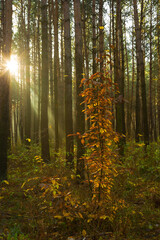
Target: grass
x: 42, y: 201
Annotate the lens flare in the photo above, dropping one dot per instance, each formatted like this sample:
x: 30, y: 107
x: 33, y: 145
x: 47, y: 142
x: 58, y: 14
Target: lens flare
x: 12, y: 65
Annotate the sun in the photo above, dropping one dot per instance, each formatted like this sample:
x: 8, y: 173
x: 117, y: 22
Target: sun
x: 12, y: 65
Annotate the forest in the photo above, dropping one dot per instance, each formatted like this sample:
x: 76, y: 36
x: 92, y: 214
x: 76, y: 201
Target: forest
x: 79, y: 120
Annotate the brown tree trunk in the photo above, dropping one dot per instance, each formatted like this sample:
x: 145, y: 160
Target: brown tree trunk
x: 158, y: 48
x: 56, y: 76
x: 132, y: 119
x: 140, y: 61
x: 128, y: 120
x: 50, y: 58
x: 151, y: 123
x: 28, y: 98
x: 80, y: 119
x: 94, y: 37
x: 5, y: 90
x: 68, y: 85
x: 45, y: 85
x: 119, y: 79
x: 101, y: 35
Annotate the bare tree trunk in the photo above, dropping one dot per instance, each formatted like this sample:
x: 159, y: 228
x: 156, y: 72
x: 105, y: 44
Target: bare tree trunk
x: 39, y: 73
x: 151, y: 123
x: 119, y: 79
x: 85, y: 41
x: 80, y: 119
x: 45, y: 86
x: 56, y: 76
x: 158, y: 48
x: 127, y: 90
x: 68, y: 85
x: 50, y: 58
x: 5, y: 90
x: 140, y: 60
x: 94, y: 37
x: 28, y: 97
x: 101, y: 35
x: 132, y: 90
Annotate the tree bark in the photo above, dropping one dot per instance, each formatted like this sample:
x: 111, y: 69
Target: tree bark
x: 80, y: 119
x: 119, y: 79
x: 94, y: 37
x: 151, y: 123
x: 28, y: 97
x: 68, y: 85
x: 140, y: 61
x: 45, y: 86
x: 101, y: 35
x: 56, y: 76
x: 158, y: 48
x: 5, y: 90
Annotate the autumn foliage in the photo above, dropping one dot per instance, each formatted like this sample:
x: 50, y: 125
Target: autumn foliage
x: 100, y: 137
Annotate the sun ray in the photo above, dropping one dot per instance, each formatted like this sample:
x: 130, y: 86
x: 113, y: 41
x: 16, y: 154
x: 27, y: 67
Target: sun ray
x: 12, y: 65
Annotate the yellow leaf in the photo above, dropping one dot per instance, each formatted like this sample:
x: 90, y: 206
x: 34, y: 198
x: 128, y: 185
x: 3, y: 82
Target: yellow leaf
x: 23, y: 184
x: 103, y: 217
x: 66, y: 214
x: 58, y: 217
x: 109, y: 143
x: 101, y: 27
x: 28, y: 139
x: 72, y: 177
x: 80, y: 215
x: 6, y: 182
x: 141, y: 144
x: 84, y: 233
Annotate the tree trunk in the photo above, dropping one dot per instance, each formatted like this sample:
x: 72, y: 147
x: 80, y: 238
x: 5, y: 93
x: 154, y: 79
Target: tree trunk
x: 151, y: 123
x: 50, y: 57
x: 28, y: 98
x: 140, y: 61
x: 56, y: 76
x: 80, y: 119
x: 128, y: 90
x: 94, y: 37
x: 5, y: 90
x: 68, y: 85
x: 101, y: 35
x: 44, y: 100
x: 119, y: 79
x: 158, y: 48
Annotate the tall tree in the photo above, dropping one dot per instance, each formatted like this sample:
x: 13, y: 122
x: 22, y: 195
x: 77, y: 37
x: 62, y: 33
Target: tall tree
x: 101, y: 35
x: 56, y: 75
x: 119, y: 79
x: 94, y: 36
x: 28, y: 98
x: 158, y: 48
x: 5, y: 89
x: 151, y: 127
x: 80, y: 119
x: 51, y: 57
x: 45, y: 85
x: 68, y: 84
x: 140, y: 61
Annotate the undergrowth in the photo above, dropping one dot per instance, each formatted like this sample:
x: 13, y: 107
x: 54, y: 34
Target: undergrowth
x: 44, y: 201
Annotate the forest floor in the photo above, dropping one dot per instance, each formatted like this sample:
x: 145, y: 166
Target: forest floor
x: 44, y: 202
